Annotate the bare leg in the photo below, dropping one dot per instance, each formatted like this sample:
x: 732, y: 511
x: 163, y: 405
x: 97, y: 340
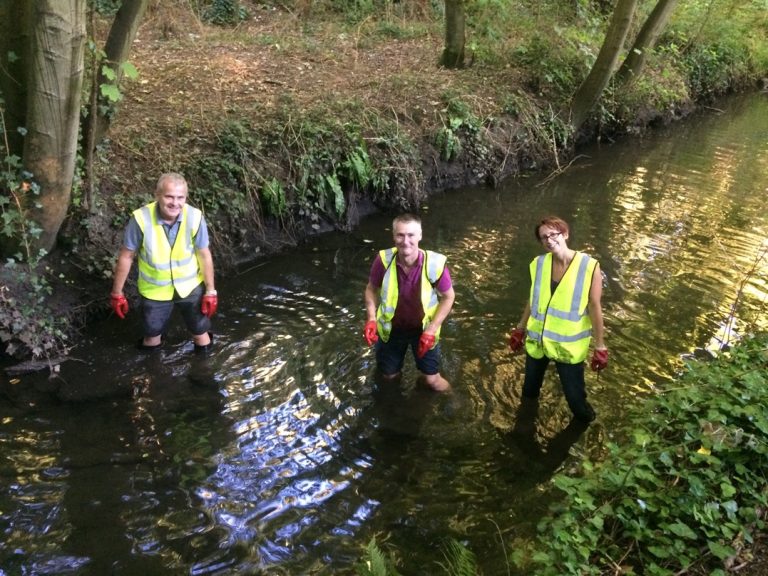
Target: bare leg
x: 436, y: 382
x: 151, y: 341
x: 202, y: 339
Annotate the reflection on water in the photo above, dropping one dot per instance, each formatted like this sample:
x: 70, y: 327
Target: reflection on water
x: 282, y: 453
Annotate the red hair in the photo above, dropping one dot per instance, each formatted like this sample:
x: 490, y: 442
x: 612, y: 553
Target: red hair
x: 553, y: 222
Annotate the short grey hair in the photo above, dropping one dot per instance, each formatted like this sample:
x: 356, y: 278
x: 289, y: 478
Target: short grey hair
x: 169, y: 178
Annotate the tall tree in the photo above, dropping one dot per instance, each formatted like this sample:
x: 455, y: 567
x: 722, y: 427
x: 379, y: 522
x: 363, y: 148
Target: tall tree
x: 42, y: 55
x: 592, y: 87
x: 455, y: 24
x: 122, y: 33
x: 646, y: 40
x: 42, y: 90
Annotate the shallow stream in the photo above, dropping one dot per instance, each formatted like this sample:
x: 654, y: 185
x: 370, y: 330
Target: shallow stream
x: 281, y: 452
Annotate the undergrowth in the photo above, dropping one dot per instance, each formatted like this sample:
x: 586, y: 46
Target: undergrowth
x: 685, y: 494
x: 28, y: 325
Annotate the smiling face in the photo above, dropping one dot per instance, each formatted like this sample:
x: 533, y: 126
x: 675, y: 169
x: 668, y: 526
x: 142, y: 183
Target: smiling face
x: 553, y: 238
x: 407, y: 236
x: 171, y: 195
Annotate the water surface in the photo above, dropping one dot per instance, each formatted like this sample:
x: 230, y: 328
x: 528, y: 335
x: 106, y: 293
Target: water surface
x: 282, y: 453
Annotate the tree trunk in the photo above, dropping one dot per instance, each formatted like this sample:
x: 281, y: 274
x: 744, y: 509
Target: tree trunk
x: 455, y: 20
x: 122, y: 33
x: 15, y: 25
x: 592, y: 88
x: 646, y: 40
x: 54, y: 80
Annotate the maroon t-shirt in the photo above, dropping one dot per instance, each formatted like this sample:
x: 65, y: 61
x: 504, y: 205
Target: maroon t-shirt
x: 409, y: 311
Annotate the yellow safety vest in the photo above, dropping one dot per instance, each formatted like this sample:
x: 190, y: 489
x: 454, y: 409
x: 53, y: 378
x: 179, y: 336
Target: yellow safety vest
x: 432, y: 268
x: 559, y: 325
x: 164, y: 268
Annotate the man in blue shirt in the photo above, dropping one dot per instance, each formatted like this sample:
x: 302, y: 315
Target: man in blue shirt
x: 175, y: 265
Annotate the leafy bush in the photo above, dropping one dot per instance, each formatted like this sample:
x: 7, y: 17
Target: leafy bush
x: 224, y: 12
x: 662, y: 86
x: 715, y: 68
x: 687, y: 492
x: 27, y: 324
x: 553, y: 70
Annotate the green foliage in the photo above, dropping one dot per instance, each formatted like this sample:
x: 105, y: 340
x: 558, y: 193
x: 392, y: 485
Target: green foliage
x: 714, y: 69
x: 303, y: 168
x: 662, y: 86
x: 719, y: 46
x: 459, y: 125
x: 554, y: 70
x: 106, y: 7
x: 110, y: 90
x: 376, y: 563
x: 27, y: 324
x: 224, y: 12
x: 107, y: 94
x: 690, y: 479
x: 546, y: 134
x: 459, y: 560
x: 274, y: 198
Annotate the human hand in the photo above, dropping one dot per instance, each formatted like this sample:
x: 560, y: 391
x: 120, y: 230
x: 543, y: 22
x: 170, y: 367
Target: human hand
x: 370, y: 333
x: 517, y: 339
x: 599, y: 360
x: 426, y: 342
x: 119, y: 305
x: 209, y: 304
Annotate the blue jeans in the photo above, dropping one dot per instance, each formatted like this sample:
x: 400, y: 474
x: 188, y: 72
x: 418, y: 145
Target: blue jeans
x: 571, y: 379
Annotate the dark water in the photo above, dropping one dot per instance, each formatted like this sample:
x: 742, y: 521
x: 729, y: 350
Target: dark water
x: 280, y: 453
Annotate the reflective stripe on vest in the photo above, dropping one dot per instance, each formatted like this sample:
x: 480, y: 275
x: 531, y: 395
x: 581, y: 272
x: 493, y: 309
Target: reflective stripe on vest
x: 432, y: 268
x: 559, y: 325
x: 164, y: 268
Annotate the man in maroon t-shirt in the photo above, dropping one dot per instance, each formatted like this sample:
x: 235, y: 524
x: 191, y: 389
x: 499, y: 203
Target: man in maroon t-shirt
x: 411, y: 325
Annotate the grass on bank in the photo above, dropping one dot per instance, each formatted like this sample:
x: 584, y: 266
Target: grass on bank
x: 687, y: 493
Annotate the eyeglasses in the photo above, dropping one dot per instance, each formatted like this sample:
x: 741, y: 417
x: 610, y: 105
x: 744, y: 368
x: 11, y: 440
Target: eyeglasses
x: 550, y: 236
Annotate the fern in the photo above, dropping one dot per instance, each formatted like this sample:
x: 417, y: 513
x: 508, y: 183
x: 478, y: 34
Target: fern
x: 459, y: 560
x: 377, y: 564
x: 359, y: 167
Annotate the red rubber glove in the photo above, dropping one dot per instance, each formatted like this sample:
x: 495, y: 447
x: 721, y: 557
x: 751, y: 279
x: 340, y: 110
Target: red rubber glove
x: 209, y: 304
x: 119, y: 305
x: 426, y: 342
x: 517, y: 339
x: 371, y: 333
x: 599, y: 360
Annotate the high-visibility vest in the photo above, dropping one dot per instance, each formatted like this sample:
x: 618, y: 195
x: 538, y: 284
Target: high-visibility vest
x: 432, y: 268
x: 559, y: 325
x: 164, y: 268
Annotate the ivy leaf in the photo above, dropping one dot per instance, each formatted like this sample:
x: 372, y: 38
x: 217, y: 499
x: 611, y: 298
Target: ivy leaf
x: 110, y: 92
x: 720, y: 551
x: 129, y: 70
x: 108, y: 73
x: 659, y: 551
x: 727, y: 489
x: 682, y: 530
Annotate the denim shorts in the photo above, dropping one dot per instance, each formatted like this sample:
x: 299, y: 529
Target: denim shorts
x: 157, y: 313
x: 390, y: 356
